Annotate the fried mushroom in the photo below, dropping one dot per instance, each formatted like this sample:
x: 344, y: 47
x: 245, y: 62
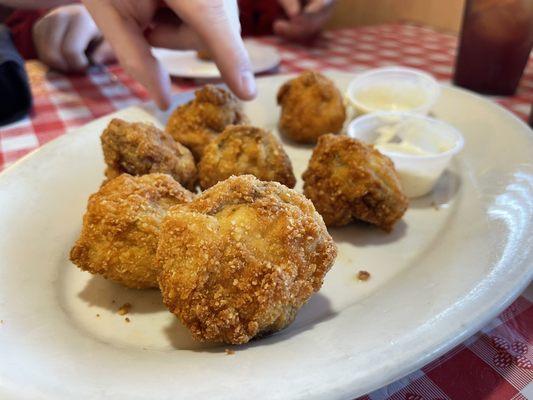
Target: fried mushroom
x: 241, y: 259
x: 244, y: 149
x: 141, y: 148
x: 311, y: 106
x: 196, y: 123
x: 347, y: 180
x: 121, y: 228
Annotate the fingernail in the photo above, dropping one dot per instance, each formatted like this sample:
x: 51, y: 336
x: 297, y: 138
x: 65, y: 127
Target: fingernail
x: 248, y: 85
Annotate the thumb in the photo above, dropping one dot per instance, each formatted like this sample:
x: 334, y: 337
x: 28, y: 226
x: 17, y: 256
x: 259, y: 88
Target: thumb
x: 217, y: 24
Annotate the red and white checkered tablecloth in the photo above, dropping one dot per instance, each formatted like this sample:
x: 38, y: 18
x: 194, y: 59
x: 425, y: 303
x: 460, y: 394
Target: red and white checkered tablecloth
x: 496, y: 363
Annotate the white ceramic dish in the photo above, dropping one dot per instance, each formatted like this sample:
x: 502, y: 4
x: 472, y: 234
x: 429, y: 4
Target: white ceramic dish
x: 436, y: 279
x: 186, y: 64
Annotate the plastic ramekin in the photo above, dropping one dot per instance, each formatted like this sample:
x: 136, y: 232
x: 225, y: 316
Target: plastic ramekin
x: 418, y: 173
x: 400, y: 88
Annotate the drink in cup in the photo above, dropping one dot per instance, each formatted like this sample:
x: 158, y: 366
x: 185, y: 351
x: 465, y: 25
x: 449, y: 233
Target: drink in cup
x: 496, y: 39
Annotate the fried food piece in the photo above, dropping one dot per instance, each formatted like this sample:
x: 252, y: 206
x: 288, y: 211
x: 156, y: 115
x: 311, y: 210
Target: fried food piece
x: 311, y: 106
x: 141, y: 148
x: 242, y: 258
x: 197, y: 122
x: 204, y: 55
x: 244, y: 149
x: 121, y: 228
x: 347, y: 179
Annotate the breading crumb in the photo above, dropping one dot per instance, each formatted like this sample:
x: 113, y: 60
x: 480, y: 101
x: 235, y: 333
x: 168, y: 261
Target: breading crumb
x: 124, y: 309
x: 127, y: 319
x: 363, y: 275
x: 435, y: 206
x: 97, y: 315
x: 229, y: 352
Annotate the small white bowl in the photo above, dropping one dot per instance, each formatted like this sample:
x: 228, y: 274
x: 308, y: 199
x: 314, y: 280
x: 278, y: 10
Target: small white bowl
x: 437, y: 140
x: 393, y: 89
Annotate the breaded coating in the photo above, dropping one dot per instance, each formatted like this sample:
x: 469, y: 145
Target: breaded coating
x: 140, y: 148
x: 244, y: 149
x: 311, y: 106
x: 196, y: 123
x: 204, y: 55
x: 242, y: 258
x: 121, y: 228
x: 347, y: 179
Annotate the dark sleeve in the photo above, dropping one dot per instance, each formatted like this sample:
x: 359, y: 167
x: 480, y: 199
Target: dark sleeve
x: 15, y: 94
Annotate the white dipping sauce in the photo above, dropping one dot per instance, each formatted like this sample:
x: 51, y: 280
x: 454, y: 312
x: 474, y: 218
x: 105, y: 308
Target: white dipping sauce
x: 410, y: 137
x: 398, y: 96
x: 420, y: 147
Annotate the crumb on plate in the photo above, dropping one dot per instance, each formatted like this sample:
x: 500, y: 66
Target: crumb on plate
x: 127, y: 319
x: 97, y: 315
x: 229, y: 352
x: 124, y: 309
x: 435, y: 206
x: 363, y: 275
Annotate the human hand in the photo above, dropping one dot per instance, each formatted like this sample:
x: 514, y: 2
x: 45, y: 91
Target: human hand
x: 304, y: 22
x: 67, y: 39
x: 131, y: 29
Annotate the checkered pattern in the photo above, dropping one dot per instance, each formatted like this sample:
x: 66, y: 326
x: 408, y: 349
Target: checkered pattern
x: 496, y: 363
x: 493, y: 364
x: 61, y: 103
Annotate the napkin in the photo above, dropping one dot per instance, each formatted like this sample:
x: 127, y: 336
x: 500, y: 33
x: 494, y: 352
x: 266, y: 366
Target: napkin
x: 15, y: 94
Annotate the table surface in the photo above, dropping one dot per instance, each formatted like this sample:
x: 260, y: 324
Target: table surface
x: 496, y: 363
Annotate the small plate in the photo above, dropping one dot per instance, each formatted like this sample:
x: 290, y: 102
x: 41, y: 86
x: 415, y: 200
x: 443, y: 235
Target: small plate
x: 186, y: 64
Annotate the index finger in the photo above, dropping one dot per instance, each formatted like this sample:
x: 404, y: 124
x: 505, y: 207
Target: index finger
x: 132, y: 50
x: 217, y: 24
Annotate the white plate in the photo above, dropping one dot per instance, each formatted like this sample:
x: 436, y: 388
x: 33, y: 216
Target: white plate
x: 435, y: 280
x: 186, y: 64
